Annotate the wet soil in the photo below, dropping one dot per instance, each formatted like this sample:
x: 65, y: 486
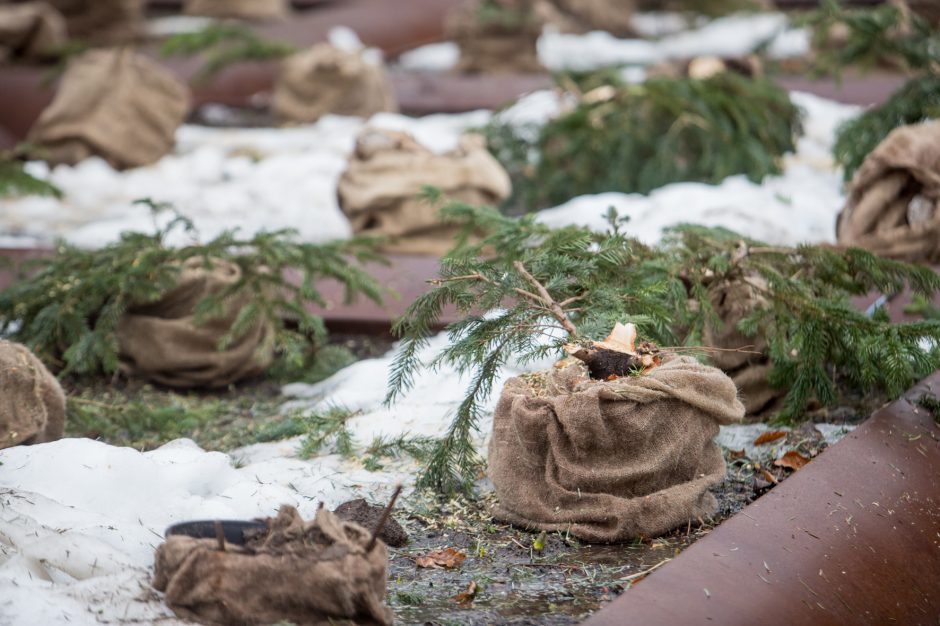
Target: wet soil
x: 517, y: 583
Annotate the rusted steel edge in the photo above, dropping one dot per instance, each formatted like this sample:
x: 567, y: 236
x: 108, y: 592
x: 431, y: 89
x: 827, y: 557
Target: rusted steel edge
x: 852, y: 538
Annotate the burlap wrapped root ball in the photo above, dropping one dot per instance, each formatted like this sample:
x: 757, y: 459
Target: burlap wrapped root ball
x: 611, y: 461
x: 163, y: 342
x: 894, y: 199
x: 742, y: 358
x: 381, y: 190
x: 324, y: 80
x: 496, y: 36
x: 33, y: 30
x: 32, y: 403
x: 103, y: 22
x: 244, y: 9
x: 581, y: 16
x: 302, y: 573
x: 115, y: 104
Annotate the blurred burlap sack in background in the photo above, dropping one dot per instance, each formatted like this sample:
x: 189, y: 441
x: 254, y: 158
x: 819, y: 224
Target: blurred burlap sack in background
x: 324, y: 80
x: 32, y: 403
x: 894, y: 199
x: 244, y: 9
x: 30, y: 31
x: 164, y: 342
x: 115, y: 104
x: 496, y: 36
x: 381, y: 190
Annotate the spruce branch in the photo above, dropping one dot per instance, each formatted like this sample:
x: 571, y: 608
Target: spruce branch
x: 67, y: 307
x: 524, y: 290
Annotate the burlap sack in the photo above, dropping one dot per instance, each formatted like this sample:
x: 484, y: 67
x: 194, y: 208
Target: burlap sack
x: 894, y: 199
x: 103, y: 22
x: 493, y: 45
x: 325, y: 79
x: 32, y: 403
x: 381, y: 190
x: 244, y: 9
x: 611, y: 461
x: 732, y: 303
x: 301, y: 573
x: 581, y: 16
x: 162, y: 342
x: 115, y: 104
x: 33, y: 30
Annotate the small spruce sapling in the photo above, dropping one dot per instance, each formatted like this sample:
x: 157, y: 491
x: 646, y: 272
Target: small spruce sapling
x: 66, y: 308
x: 525, y: 290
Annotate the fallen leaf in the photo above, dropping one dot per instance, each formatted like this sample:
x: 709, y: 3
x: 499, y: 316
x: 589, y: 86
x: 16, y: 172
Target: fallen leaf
x: 736, y: 454
x: 769, y: 477
x: 448, y: 558
x: 770, y: 435
x: 792, y: 459
x: 465, y: 598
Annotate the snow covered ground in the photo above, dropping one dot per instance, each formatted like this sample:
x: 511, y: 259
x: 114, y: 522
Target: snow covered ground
x: 735, y: 35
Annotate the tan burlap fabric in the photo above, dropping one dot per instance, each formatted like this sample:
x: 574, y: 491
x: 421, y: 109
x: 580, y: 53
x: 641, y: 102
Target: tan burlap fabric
x: 381, y: 190
x: 32, y: 403
x: 493, y: 45
x: 894, y: 200
x: 315, y: 573
x: 33, y: 30
x: 163, y: 342
x: 581, y: 16
x: 325, y: 79
x: 103, y: 22
x: 732, y: 303
x: 611, y: 461
x: 244, y: 9
x: 115, y: 104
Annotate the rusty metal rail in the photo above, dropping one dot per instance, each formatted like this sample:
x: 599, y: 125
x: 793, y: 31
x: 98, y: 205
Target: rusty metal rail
x: 852, y: 538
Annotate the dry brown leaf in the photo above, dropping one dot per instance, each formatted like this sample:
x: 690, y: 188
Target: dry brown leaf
x: 448, y: 558
x: 736, y: 454
x: 465, y: 598
x: 792, y: 459
x: 770, y: 435
x: 769, y: 477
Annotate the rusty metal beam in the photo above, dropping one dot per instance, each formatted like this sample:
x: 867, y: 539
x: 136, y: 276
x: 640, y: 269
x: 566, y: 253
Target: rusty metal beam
x: 852, y: 538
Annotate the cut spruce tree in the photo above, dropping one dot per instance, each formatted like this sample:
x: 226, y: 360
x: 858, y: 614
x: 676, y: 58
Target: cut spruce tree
x: 67, y: 307
x: 524, y: 291
x: 636, y: 138
x: 888, y: 35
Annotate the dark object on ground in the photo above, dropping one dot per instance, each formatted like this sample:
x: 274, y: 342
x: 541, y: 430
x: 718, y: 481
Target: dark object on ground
x: 368, y: 516
x: 496, y: 36
x: 243, y: 9
x: 894, y: 200
x: 301, y: 572
x: 33, y: 30
x: 32, y: 403
x: 324, y: 80
x: 115, y: 104
x: 167, y: 342
x: 803, y: 553
x: 237, y: 532
x: 382, y: 189
x: 611, y: 461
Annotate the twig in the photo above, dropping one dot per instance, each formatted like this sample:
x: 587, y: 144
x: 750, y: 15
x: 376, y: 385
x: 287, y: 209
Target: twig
x: 383, y: 519
x: 219, y: 535
x: 644, y: 572
x: 546, y: 298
